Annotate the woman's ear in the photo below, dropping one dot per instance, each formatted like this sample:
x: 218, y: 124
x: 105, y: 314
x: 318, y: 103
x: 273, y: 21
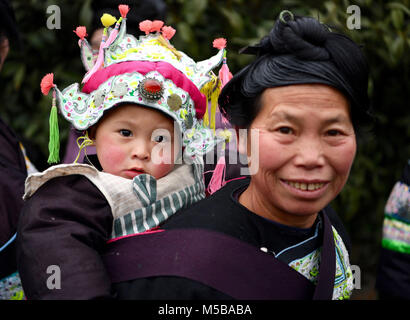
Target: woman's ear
x: 248, y: 145
x: 241, y: 142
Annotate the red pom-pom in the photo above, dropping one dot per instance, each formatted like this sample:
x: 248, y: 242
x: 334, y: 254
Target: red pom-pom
x: 168, y: 32
x: 47, y: 83
x: 157, y: 25
x: 219, y: 43
x: 81, y: 32
x: 146, y: 26
x: 123, y: 10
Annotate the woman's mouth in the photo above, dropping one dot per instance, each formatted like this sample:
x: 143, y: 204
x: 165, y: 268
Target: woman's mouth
x: 305, y: 186
x: 306, y: 189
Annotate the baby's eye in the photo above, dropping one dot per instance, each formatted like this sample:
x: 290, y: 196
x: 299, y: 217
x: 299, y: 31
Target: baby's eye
x: 285, y: 130
x: 125, y: 133
x: 159, y: 138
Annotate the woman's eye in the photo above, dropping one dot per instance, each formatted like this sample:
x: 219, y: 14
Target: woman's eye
x: 125, y: 133
x: 334, y: 133
x: 285, y: 130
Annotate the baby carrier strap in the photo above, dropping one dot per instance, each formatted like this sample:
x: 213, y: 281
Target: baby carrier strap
x: 227, y: 264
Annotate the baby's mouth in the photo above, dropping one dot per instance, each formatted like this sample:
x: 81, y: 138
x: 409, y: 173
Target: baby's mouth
x: 133, y: 172
x: 137, y: 170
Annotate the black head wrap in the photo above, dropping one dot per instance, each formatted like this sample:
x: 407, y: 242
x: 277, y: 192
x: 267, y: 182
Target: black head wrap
x: 298, y: 50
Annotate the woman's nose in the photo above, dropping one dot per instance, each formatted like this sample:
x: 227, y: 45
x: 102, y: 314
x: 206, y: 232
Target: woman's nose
x: 310, y: 154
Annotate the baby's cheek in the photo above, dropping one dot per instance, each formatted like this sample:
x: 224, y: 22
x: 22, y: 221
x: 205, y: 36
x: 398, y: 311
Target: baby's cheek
x: 111, y: 159
x: 161, y: 170
x: 162, y: 153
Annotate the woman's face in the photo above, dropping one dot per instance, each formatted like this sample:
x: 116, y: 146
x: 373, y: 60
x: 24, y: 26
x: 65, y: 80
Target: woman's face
x: 306, y: 149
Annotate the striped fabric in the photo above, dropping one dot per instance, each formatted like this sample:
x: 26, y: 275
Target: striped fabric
x: 140, y: 204
x: 155, y: 211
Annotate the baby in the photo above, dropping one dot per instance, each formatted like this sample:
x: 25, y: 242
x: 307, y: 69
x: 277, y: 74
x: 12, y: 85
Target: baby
x: 131, y: 140
x: 142, y: 106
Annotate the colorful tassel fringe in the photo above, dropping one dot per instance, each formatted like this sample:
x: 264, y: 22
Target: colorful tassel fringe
x: 211, y: 91
x: 218, y: 177
x: 54, y: 139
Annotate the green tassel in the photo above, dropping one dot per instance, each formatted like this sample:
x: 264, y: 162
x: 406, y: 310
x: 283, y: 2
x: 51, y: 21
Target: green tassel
x: 54, y: 142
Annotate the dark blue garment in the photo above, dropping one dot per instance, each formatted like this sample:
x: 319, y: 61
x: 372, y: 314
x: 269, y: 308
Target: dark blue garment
x: 13, y: 173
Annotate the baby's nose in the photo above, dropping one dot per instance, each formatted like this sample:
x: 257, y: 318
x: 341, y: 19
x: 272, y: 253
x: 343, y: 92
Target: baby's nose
x: 140, y: 150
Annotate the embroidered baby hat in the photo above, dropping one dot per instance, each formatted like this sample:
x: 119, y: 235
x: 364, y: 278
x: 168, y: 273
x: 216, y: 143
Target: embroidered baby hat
x: 147, y: 71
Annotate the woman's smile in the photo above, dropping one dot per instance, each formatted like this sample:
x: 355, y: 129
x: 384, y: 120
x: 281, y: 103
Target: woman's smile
x: 304, y: 189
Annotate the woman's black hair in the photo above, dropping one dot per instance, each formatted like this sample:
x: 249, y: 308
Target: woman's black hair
x: 8, y: 25
x: 298, y: 50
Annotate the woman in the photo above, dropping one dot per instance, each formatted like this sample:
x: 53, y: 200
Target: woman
x: 14, y: 167
x: 393, y: 276
x: 271, y: 236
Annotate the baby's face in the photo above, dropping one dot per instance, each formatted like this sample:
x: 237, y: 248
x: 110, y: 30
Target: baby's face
x: 131, y: 140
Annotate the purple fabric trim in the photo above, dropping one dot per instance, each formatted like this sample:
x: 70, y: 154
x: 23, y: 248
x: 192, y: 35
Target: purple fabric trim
x: 72, y: 149
x: 327, y: 268
x: 210, y: 257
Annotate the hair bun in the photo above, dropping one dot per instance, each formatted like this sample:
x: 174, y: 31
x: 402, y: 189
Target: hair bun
x: 303, y: 37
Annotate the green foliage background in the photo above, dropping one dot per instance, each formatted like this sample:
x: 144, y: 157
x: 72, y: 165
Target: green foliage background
x: 384, y: 33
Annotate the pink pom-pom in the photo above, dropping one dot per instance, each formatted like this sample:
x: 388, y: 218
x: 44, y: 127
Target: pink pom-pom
x: 157, y: 25
x: 81, y: 32
x: 47, y: 83
x: 146, y: 26
x: 168, y: 32
x: 219, y: 43
x: 123, y: 10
